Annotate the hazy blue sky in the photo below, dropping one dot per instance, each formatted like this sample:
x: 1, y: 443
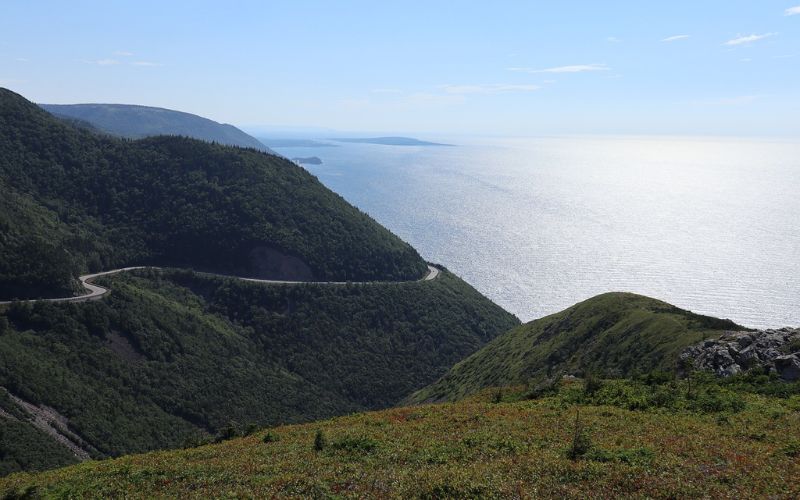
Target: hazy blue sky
x: 502, y: 67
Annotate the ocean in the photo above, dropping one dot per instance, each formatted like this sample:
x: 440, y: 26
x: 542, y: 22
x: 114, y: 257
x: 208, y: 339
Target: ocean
x: 537, y: 224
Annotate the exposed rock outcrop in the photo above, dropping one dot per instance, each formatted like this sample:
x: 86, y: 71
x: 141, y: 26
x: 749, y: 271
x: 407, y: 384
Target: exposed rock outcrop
x: 777, y: 351
x: 53, y: 424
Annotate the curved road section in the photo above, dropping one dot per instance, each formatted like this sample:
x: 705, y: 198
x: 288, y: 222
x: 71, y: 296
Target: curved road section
x: 98, y: 292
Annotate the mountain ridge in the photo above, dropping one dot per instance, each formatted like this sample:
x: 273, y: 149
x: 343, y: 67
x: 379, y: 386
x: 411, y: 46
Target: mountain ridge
x: 74, y: 201
x: 173, y: 356
x: 135, y: 121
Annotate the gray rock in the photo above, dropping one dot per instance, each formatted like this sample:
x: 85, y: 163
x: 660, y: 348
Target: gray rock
x: 736, y: 352
x: 788, y: 367
x: 748, y: 358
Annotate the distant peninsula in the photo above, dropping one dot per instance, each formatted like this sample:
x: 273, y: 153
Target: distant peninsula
x: 311, y: 160
x: 136, y: 122
x: 390, y: 141
x: 295, y: 143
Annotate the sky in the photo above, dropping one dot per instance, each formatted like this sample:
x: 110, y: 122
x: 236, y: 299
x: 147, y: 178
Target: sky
x: 514, y: 68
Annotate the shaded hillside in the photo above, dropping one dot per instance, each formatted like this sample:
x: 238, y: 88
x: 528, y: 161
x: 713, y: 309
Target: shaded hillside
x: 72, y: 201
x: 615, y: 334
x: 172, y: 357
x: 477, y: 449
x: 136, y: 122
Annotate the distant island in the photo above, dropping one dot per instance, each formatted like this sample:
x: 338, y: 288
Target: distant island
x: 390, y: 141
x: 311, y: 160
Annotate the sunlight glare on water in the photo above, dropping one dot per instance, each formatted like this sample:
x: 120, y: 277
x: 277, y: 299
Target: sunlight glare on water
x: 537, y: 225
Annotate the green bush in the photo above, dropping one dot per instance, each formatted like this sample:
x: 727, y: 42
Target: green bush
x: 709, y: 395
x: 228, y: 432
x: 498, y: 396
x: 714, y: 399
x: 591, y: 384
x: 319, y: 441
x: 354, y: 444
x: 636, y: 456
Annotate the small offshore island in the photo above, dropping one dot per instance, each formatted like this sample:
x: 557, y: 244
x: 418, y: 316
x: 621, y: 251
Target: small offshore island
x: 390, y: 141
x: 310, y: 160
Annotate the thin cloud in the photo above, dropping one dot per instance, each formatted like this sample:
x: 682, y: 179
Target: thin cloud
x: 675, y: 38
x: 792, y: 11
x: 386, y: 91
x: 425, y: 98
x: 491, y: 88
x: 613, y: 39
x: 146, y: 63
x: 103, y: 62
x: 123, y: 53
x: 575, y: 68
x: 743, y: 40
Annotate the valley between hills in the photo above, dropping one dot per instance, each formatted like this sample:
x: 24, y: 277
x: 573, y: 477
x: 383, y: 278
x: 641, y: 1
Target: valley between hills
x: 248, y: 332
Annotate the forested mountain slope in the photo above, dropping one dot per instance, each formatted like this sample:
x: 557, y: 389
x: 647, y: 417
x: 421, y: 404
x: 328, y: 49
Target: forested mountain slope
x: 171, y: 357
x: 73, y: 201
x: 136, y: 122
x: 614, y: 334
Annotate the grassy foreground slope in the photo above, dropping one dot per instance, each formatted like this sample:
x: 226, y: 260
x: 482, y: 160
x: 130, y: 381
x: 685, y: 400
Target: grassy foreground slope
x: 73, y: 201
x: 517, y: 448
x: 172, y: 357
x: 616, y: 334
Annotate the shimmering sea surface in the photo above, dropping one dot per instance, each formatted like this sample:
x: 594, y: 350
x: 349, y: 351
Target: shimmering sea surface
x: 707, y: 224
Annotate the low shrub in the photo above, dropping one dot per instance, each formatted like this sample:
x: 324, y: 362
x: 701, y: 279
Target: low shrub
x: 634, y: 456
x: 354, y: 444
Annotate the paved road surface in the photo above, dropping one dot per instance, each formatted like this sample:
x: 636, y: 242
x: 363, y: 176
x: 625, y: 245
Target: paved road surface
x: 98, y: 292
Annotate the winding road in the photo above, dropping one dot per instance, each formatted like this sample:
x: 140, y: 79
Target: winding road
x: 98, y: 292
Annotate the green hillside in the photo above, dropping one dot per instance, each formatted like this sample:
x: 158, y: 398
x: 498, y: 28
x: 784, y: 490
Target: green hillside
x: 73, y: 201
x: 173, y: 357
x: 615, y: 334
x: 136, y: 122
x: 716, y: 443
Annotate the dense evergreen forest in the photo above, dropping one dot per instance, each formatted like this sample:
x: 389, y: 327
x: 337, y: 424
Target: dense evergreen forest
x: 171, y: 358
x: 72, y: 201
